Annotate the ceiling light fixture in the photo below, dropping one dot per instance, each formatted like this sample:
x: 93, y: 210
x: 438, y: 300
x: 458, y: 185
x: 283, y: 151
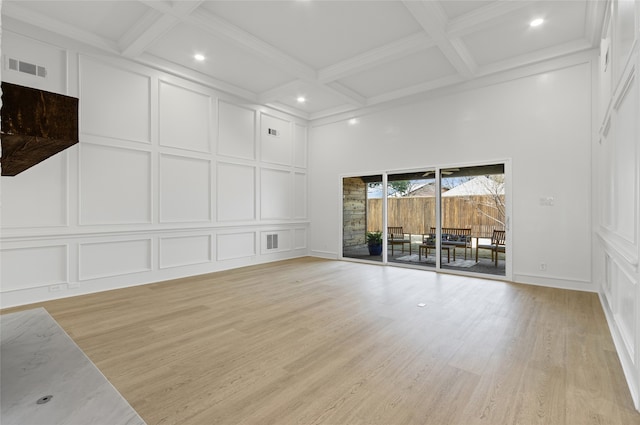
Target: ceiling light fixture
x: 536, y: 22
x: 301, y: 99
x: 199, y: 57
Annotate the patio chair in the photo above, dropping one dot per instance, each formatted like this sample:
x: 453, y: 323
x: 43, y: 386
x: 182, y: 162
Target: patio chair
x: 396, y: 236
x: 497, y: 245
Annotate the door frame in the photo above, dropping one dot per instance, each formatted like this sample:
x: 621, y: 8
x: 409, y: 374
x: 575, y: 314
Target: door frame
x: 508, y: 177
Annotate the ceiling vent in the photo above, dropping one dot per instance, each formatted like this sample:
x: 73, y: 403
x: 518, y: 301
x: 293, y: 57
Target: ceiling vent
x: 27, y: 68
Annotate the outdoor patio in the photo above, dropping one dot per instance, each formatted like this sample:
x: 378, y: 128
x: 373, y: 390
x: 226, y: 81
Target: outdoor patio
x: 484, y: 265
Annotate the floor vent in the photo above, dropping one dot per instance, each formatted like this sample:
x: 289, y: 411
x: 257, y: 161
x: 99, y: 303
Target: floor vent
x: 272, y: 241
x: 27, y: 68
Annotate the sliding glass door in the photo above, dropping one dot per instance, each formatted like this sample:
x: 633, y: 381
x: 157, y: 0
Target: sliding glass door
x: 473, y: 219
x: 411, y: 213
x: 443, y: 218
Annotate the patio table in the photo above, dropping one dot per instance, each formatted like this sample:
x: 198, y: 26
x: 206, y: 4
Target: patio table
x: 427, y: 247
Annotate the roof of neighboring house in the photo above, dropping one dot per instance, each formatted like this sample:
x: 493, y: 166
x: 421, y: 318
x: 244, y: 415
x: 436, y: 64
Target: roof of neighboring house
x: 427, y: 190
x: 481, y: 185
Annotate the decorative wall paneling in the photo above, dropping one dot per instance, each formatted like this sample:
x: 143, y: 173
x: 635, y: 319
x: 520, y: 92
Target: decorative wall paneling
x: 171, y: 178
x: 177, y: 251
x: 115, y: 185
x: 234, y: 204
x: 185, y: 118
x: 232, y: 246
x: 616, y: 253
x: 115, y: 102
x: 47, y: 184
x: 114, y: 258
x: 276, y: 140
x: 49, y: 266
x: 236, y: 131
x: 185, y: 189
x: 276, y: 187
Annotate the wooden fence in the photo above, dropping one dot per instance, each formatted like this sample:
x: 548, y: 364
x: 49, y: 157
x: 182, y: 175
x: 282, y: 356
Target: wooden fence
x: 417, y: 215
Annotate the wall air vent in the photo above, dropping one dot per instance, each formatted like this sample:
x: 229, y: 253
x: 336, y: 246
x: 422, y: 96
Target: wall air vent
x: 272, y: 241
x: 27, y: 68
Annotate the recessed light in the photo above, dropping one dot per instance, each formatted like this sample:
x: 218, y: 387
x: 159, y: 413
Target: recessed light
x: 536, y: 22
x: 301, y: 99
x: 199, y: 57
x: 353, y: 121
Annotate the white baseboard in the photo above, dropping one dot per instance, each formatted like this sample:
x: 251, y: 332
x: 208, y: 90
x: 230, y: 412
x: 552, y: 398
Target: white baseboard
x: 628, y: 368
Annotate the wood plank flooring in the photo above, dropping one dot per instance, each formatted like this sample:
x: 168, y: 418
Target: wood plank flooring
x: 311, y: 341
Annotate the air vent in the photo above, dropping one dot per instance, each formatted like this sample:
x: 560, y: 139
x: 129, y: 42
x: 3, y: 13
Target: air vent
x: 27, y: 68
x: 272, y: 241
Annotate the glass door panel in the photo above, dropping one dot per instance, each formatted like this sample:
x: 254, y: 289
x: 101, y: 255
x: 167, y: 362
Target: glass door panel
x: 473, y: 219
x: 411, y: 213
x: 362, y: 217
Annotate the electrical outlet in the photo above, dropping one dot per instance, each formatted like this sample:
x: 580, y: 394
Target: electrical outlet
x: 543, y: 267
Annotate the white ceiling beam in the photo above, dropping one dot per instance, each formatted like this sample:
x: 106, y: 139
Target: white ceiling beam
x: 433, y: 20
x: 534, y: 57
x: 378, y: 56
x: 144, y: 32
x: 334, y: 111
x: 190, y: 75
x: 335, y: 89
x: 288, y: 110
x: 219, y: 27
x: 483, y: 17
x: 416, y: 89
x: 12, y: 10
x: 155, y: 23
x: 276, y: 92
x: 345, y: 93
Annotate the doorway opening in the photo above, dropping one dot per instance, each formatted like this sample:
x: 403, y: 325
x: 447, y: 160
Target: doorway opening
x: 453, y: 218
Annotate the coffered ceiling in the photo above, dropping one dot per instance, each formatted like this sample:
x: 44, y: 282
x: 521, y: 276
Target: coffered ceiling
x: 338, y: 55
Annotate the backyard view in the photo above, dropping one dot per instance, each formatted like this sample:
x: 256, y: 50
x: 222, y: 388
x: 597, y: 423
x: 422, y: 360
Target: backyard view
x: 472, y: 208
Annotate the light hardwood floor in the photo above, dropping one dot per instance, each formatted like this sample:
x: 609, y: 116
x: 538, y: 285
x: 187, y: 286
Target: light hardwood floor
x: 312, y: 341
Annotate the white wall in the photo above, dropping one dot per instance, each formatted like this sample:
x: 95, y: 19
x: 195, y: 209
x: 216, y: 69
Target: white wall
x: 170, y: 179
x: 541, y: 121
x: 616, y: 177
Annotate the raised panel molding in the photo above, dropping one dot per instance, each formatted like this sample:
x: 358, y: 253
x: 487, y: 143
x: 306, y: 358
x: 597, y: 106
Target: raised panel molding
x: 185, y: 189
x: 300, y: 195
x: 33, y: 267
x: 625, y: 165
x: 275, y: 194
x: 626, y: 305
x: 24, y: 195
x: 176, y: 251
x: 113, y: 258
x: 185, y: 118
x: 300, y: 238
x: 300, y: 146
x: 231, y: 246
x: 115, y: 102
x: 115, y: 185
x: 275, y: 148
x: 236, y: 131
x: 236, y: 192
